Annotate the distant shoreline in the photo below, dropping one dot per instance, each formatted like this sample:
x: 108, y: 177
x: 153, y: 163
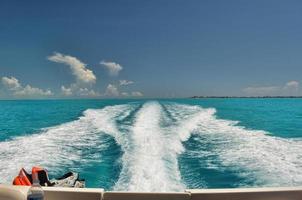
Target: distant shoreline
x: 245, y: 97
x: 193, y: 97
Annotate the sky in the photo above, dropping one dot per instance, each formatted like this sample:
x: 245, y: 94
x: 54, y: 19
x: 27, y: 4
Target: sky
x: 148, y: 49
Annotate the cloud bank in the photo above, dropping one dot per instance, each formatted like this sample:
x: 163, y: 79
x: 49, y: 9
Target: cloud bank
x: 15, y: 88
x: 113, y: 91
x: 75, y: 90
x: 85, y: 80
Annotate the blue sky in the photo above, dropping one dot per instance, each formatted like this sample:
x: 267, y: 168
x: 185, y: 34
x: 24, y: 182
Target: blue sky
x: 125, y: 49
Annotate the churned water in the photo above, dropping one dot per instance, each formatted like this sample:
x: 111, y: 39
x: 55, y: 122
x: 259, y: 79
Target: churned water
x: 156, y: 145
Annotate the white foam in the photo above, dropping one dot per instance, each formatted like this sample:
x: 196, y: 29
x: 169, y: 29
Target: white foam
x: 151, y: 147
x: 62, y: 145
x: 149, y: 164
x: 257, y: 155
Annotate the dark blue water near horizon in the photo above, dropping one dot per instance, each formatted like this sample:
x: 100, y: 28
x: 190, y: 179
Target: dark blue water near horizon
x: 156, y: 144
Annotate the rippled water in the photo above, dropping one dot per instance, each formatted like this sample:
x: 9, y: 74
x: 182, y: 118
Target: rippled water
x: 156, y: 145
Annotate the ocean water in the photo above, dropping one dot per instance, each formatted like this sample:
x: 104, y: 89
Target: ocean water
x: 156, y: 145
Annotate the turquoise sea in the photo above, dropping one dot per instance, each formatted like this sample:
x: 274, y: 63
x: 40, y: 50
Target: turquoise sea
x: 156, y: 145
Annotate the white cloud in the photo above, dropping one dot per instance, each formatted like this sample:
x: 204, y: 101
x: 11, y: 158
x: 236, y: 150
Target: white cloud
x: 112, y: 67
x: 125, y: 94
x: 292, y: 84
x: 137, y: 94
x: 290, y: 88
x: 66, y: 91
x: 11, y: 83
x: 112, y: 91
x: 125, y: 82
x: 84, y: 76
x: 79, y: 69
x: 75, y: 90
x: 88, y: 92
x: 32, y: 91
x: 16, y: 89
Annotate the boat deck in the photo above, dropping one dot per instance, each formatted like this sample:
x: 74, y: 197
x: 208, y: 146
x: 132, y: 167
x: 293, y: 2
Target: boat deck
x: 51, y: 193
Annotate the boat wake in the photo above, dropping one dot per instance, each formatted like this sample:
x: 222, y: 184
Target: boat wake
x: 149, y: 160
x: 62, y: 145
x: 257, y: 156
x: 151, y: 137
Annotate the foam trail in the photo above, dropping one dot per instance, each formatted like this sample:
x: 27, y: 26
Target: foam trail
x: 62, y: 145
x: 149, y: 164
x: 256, y: 155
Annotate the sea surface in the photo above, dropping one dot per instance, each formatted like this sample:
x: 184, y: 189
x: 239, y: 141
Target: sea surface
x: 156, y: 145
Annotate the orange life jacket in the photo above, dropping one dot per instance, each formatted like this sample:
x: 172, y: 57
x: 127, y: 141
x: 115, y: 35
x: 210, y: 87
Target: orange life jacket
x: 36, y: 169
x: 23, y: 178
